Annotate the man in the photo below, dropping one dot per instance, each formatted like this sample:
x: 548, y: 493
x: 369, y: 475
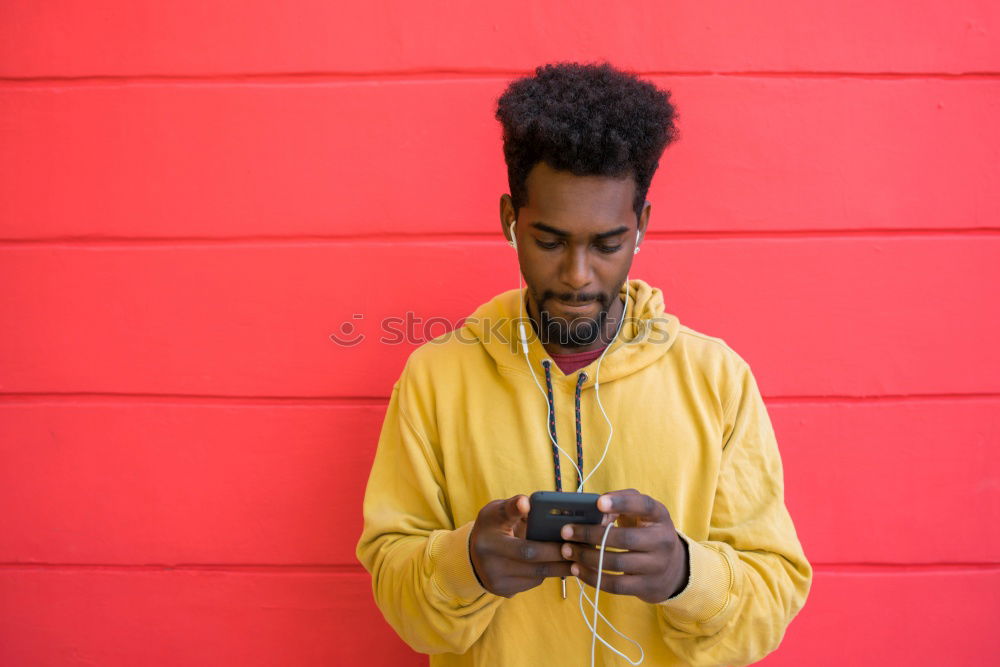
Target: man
x: 706, y: 566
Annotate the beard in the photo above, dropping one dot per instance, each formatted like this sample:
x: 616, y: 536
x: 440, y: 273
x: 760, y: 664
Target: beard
x: 576, y: 332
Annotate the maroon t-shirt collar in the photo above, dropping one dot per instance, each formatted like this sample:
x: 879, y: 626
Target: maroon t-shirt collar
x: 574, y: 361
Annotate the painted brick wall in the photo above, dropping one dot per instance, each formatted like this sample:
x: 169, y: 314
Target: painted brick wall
x: 194, y: 196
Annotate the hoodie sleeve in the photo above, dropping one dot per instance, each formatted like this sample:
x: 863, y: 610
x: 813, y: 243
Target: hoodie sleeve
x: 422, y: 577
x: 749, y: 579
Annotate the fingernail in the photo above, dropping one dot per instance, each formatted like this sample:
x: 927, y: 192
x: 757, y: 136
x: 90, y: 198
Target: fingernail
x: 574, y: 569
x: 567, y: 551
x: 566, y: 532
x: 604, y: 504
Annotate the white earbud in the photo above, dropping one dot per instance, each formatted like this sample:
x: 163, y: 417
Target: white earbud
x: 638, y: 240
x: 513, y: 239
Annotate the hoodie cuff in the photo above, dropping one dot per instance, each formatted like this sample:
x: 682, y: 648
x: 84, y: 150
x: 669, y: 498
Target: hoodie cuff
x: 707, y: 592
x: 451, y: 567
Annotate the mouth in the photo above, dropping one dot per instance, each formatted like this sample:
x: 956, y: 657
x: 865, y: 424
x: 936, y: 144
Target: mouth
x: 576, y: 308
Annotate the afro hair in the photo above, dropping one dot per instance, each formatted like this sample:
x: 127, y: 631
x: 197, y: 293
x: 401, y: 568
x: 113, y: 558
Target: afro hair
x: 588, y: 119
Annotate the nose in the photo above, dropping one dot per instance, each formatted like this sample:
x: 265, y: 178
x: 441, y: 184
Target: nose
x: 575, y: 269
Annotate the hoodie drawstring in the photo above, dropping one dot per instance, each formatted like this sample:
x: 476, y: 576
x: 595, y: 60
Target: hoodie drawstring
x: 579, y: 430
x: 552, y: 425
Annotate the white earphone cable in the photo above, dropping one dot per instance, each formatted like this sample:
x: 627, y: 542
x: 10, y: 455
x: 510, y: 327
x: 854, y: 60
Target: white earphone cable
x: 593, y: 627
x: 597, y: 391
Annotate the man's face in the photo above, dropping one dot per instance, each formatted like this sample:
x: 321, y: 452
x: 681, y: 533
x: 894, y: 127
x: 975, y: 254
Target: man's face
x: 575, y: 239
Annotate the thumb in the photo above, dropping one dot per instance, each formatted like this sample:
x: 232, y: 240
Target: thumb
x: 512, y: 511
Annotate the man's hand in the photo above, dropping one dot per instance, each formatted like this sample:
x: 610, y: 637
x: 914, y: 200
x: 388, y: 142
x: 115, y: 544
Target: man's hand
x: 655, y: 565
x: 505, y: 562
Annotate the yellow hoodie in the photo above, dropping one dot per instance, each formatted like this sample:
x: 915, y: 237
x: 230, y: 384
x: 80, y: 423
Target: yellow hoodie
x: 466, y: 424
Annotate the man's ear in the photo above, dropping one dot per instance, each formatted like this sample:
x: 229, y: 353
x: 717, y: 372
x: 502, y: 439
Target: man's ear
x: 507, y: 217
x: 643, y: 222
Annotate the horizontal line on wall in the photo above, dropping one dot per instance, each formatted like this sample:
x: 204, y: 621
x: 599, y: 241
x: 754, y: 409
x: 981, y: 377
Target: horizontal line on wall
x: 832, y: 568
x: 899, y: 568
x: 488, y: 237
x: 194, y: 399
x: 261, y: 568
x: 884, y: 398
x: 438, y: 75
x: 381, y: 401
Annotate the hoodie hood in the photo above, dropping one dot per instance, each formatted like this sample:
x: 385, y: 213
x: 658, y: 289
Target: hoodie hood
x: 647, y: 333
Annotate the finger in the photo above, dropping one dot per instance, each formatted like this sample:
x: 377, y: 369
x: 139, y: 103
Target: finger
x: 540, y: 570
x: 619, y: 584
x: 604, y: 502
x: 644, y: 538
x: 626, y: 562
x: 634, y: 504
x: 510, y: 511
x: 525, y: 551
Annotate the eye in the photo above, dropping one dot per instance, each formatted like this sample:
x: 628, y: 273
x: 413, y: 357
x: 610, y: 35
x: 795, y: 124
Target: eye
x: 547, y: 246
x: 608, y: 249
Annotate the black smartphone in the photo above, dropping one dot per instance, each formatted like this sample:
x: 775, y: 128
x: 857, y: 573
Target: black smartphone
x: 551, y: 510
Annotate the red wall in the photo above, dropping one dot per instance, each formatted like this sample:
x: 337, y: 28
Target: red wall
x: 194, y: 196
